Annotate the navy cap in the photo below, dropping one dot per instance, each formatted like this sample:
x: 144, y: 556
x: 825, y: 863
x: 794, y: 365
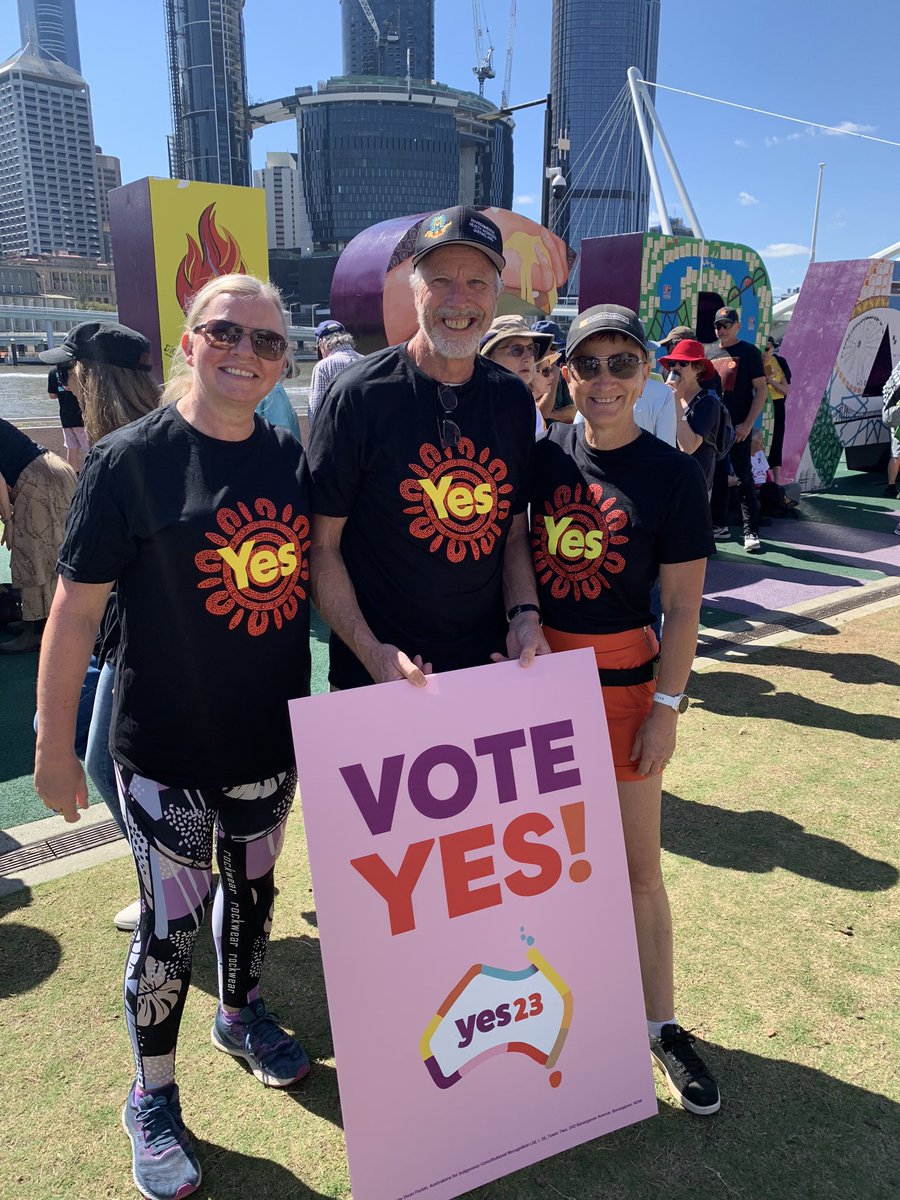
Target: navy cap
x: 324, y: 328
x: 605, y: 318
x: 551, y: 327
x: 460, y: 226
x: 92, y: 341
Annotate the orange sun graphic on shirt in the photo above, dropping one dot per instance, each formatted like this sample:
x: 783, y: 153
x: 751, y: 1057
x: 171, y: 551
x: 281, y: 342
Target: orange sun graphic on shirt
x: 457, y: 502
x: 257, y: 567
x: 572, y: 541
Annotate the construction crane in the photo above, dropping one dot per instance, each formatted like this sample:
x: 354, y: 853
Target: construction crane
x: 485, y: 68
x: 507, y: 77
x: 389, y: 35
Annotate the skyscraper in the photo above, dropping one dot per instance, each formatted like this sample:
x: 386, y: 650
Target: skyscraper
x: 109, y: 176
x: 284, y: 215
x: 401, y: 25
x: 51, y: 28
x: 593, y: 44
x: 208, y: 78
x: 48, y: 176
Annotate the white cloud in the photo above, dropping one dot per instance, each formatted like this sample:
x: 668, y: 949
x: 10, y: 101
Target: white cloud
x: 784, y: 250
x: 741, y: 144
x: 525, y: 201
x: 849, y: 127
x: 745, y: 198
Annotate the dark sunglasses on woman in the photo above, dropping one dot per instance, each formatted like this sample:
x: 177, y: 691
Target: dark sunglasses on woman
x: 620, y: 366
x: 225, y: 335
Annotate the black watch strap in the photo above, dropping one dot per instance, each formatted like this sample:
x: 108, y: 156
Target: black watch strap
x: 522, y: 608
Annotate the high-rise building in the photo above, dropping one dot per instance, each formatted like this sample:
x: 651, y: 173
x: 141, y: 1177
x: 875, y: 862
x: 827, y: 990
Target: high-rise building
x: 51, y: 29
x: 208, y: 78
x: 109, y: 176
x: 284, y: 215
x: 373, y: 149
x: 593, y: 43
x: 48, y: 176
x: 377, y: 34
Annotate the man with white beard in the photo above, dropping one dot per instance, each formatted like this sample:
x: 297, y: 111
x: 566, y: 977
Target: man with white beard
x: 419, y: 460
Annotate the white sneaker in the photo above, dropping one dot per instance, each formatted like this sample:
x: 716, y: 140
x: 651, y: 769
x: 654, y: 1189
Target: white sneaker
x: 752, y: 543
x: 127, y: 918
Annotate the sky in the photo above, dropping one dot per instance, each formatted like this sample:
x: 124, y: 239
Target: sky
x: 751, y: 178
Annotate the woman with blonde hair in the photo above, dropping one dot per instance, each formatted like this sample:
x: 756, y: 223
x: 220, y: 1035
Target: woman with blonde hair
x: 198, y: 514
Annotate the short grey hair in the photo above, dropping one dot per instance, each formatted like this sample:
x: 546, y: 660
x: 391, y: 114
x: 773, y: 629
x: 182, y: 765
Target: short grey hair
x: 334, y: 341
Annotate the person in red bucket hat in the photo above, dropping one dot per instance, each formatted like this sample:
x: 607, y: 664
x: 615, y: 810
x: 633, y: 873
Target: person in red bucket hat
x: 688, y: 372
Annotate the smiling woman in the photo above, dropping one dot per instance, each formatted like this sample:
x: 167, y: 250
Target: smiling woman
x: 198, y: 513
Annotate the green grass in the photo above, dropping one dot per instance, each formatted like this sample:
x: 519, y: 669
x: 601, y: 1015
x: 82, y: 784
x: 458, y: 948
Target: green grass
x: 779, y: 829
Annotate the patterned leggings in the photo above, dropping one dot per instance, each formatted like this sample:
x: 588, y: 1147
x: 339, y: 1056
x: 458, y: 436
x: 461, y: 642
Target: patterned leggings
x: 171, y: 835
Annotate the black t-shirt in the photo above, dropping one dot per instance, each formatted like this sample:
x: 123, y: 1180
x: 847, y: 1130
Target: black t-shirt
x: 70, y: 416
x: 737, y: 366
x: 426, y: 529
x: 602, y: 521
x: 208, y: 541
x: 17, y: 450
x: 702, y: 416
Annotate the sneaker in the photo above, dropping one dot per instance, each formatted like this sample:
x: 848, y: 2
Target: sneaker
x: 274, y: 1057
x: 721, y: 533
x: 128, y: 918
x: 897, y: 530
x: 752, y: 543
x: 164, y: 1165
x: 685, y: 1071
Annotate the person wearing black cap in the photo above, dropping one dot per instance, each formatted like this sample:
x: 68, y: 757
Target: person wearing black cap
x: 739, y: 366
x: 336, y: 351
x: 612, y: 509
x: 550, y: 389
x: 419, y: 458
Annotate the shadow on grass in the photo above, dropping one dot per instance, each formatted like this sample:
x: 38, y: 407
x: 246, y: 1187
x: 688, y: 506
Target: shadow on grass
x: 760, y: 841
x: 228, y: 1175
x: 845, y: 668
x: 784, y: 1130
x: 734, y: 695
x: 28, y: 956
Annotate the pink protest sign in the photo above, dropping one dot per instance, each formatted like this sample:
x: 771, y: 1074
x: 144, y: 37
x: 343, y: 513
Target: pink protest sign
x: 475, y: 921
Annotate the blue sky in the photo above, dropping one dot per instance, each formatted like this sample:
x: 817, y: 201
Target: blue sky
x: 751, y: 178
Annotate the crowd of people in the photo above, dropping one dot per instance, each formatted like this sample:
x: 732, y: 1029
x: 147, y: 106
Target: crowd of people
x: 452, y: 508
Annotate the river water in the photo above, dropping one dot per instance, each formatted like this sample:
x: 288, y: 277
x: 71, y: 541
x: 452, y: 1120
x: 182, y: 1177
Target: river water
x: 24, y: 398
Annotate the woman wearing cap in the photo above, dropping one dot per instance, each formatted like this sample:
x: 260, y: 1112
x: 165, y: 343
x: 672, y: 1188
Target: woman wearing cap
x: 107, y: 368
x: 689, y: 370
x: 198, y: 514
x: 36, y: 488
x: 511, y: 343
x: 612, y: 508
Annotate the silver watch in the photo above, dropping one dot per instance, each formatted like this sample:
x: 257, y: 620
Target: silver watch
x: 679, y: 702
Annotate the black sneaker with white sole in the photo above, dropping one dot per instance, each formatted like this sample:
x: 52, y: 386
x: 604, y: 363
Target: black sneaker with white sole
x: 689, y: 1081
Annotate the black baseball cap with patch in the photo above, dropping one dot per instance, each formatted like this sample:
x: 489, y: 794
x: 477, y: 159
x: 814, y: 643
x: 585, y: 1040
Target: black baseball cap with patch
x: 94, y: 342
x: 461, y: 225
x: 728, y: 314
x: 605, y: 318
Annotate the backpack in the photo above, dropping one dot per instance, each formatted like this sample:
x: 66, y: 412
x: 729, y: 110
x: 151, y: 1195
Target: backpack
x: 722, y: 437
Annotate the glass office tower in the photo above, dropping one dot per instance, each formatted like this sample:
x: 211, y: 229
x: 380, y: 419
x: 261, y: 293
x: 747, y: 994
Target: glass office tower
x: 594, y: 42
x: 208, y: 76
x: 51, y: 28
x: 402, y: 25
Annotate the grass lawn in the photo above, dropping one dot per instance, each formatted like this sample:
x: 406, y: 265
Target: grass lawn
x: 779, y: 831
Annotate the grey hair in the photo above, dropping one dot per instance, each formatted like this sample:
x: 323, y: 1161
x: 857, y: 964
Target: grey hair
x: 333, y: 341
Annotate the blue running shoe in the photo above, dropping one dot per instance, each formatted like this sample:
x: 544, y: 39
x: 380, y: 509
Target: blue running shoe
x: 274, y: 1057
x: 164, y: 1165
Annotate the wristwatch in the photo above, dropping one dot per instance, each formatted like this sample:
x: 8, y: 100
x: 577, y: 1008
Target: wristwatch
x: 679, y: 702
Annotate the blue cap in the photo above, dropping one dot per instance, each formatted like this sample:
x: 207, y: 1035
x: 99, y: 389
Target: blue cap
x: 551, y: 327
x: 324, y: 328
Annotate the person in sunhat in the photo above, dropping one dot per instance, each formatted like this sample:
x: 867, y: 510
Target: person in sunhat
x: 688, y: 372
x: 514, y: 345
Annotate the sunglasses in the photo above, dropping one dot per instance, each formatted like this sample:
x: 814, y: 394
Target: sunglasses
x: 620, y: 366
x: 548, y: 371
x: 225, y: 335
x: 723, y: 324
x: 450, y: 432
x: 517, y: 351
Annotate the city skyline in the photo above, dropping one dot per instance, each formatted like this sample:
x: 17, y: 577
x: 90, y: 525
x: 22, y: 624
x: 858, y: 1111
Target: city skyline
x: 752, y: 178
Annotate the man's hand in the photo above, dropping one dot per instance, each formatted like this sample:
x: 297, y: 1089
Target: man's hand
x: 7, y: 539
x: 61, y: 784
x: 743, y: 430
x: 654, y: 743
x: 386, y: 663
x: 524, y: 640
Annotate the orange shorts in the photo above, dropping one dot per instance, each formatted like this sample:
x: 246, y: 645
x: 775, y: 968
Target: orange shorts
x: 626, y: 707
